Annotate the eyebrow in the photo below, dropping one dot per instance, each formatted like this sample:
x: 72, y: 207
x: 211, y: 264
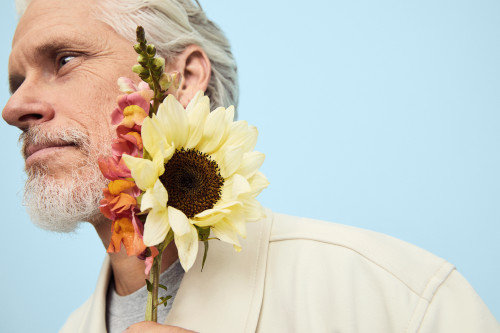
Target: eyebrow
x: 48, y: 49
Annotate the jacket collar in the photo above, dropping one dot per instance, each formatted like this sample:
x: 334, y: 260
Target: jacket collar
x: 225, y: 297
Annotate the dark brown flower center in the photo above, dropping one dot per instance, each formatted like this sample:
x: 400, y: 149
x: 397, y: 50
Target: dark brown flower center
x: 193, y: 181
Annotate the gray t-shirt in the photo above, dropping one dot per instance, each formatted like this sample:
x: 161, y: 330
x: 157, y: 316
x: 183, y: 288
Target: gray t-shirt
x: 123, y: 311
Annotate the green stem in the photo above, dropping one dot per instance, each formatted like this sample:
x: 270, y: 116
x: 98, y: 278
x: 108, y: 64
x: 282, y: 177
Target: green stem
x: 157, y: 95
x: 154, y: 279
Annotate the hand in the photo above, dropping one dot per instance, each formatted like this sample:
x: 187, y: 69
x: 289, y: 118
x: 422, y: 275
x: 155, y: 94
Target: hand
x: 152, y: 327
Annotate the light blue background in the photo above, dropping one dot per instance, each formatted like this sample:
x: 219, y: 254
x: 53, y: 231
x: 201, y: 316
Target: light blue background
x: 382, y: 115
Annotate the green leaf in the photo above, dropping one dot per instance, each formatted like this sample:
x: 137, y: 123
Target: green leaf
x: 162, y: 286
x: 164, y: 300
x: 149, y: 286
x: 204, y: 255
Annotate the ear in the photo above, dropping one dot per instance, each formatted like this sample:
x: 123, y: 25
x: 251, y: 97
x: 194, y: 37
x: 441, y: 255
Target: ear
x: 195, y: 68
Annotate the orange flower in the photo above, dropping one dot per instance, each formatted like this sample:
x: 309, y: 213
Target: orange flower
x: 123, y: 231
x: 119, y: 197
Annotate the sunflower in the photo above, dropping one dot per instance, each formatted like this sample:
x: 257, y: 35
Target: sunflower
x: 199, y: 172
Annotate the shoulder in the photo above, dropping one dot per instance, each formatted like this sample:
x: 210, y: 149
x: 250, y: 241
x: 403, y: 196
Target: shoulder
x: 330, y: 277
x: 324, y: 276
x: 410, y: 265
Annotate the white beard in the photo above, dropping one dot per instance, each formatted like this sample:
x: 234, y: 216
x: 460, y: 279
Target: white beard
x: 61, y: 205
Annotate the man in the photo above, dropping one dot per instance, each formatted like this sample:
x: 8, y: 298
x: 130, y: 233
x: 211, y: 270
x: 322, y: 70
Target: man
x: 292, y: 276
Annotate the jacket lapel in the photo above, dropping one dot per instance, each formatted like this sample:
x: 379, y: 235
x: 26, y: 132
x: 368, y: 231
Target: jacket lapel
x: 94, y: 318
x: 227, y: 295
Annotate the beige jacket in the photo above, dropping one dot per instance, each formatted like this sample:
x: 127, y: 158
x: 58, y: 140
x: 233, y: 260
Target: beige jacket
x: 302, y: 275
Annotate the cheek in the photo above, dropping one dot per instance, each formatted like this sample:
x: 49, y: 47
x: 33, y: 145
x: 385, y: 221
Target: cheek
x: 93, y: 113
x: 97, y: 95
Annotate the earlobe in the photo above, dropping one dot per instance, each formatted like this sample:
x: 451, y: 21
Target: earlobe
x: 195, y: 68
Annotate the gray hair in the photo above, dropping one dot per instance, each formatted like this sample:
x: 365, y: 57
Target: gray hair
x: 172, y: 25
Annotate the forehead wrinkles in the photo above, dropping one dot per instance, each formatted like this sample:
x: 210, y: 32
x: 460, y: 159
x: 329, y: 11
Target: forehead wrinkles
x: 41, y: 14
x: 36, y: 37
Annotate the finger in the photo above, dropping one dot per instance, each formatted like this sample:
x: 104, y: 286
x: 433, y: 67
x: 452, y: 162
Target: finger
x: 152, y: 327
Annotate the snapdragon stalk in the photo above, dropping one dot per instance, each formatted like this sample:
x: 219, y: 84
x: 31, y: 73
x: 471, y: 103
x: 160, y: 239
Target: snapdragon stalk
x: 151, y: 69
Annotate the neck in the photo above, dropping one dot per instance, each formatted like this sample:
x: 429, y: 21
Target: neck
x: 128, y: 272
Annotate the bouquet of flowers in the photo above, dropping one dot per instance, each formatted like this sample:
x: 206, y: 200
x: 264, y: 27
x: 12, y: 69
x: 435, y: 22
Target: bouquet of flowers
x: 176, y: 174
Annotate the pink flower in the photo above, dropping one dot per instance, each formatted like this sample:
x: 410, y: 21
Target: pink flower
x: 128, y: 142
x: 149, y: 260
x: 133, y: 107
x: 127, y: 85
x: 114, y: 168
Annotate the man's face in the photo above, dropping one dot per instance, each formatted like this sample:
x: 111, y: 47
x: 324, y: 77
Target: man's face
x: 63, y: 71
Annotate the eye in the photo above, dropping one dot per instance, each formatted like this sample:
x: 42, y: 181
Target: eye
x: 64, y: 60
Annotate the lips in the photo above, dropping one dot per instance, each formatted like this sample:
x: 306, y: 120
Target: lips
x: 37, y: 149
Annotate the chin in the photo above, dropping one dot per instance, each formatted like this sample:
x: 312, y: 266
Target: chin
x: 61, y: 204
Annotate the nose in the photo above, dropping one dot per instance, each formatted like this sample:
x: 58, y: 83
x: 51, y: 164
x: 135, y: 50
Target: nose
x: 27, y: 107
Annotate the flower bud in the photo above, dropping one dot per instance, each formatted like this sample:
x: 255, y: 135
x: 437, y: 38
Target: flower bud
x: 142, y: 60
x: 144, y: 76
x: 158, y: 64
x: 137, y: 48
x: 165, y: 81
x: 176, y: 79
x: 151, y: 49
x: 141, y: 35
x: 138, y: 69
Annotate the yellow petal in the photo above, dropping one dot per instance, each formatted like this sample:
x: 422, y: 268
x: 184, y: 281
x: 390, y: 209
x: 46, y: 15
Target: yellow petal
x: 258, y: 182
x: 210, y: 219
x: 151, y: 136
x: 213, y: 131
x: 187, y: 247
x: 241, y: 135
x: 196, y: 117
x: 225, y: 233
x: 176, y: 121
x: 143, y: 171
x: 178, y: 221
x: 155, y: 197
x: 228, y: 121
x: 159, y: 163
x: 250, y: 164
x: 237, y: 221
x: 161, y: 115
x: 156, y: 227
x: 253, y: 210
x: 240, y: 186
x: 231, y: 160
x: 212, y: 216
x: 198, y: 97
x: 148, y: 200
x: 229, y: 116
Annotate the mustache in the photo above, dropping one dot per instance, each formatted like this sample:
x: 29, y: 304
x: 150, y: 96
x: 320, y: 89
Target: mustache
x: 37, y: 136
